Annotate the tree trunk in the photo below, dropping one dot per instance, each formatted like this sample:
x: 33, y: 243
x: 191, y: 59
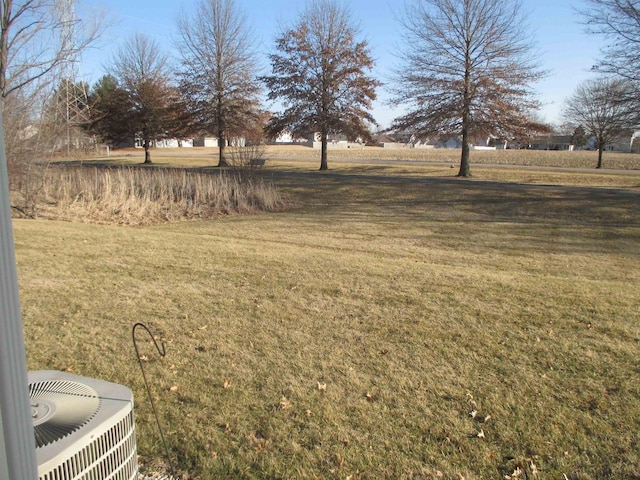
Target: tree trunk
x: 465, y: 170
x: 601, y: 146
x: 147, y: 151
x: 222, y: 162
x: 4, y: 47
x: 323, y: 153
x: 466, y: 117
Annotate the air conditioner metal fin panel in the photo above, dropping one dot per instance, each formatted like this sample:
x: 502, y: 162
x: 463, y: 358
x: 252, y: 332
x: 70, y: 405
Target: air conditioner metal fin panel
x: 60, y: 408
x: 102, y: 447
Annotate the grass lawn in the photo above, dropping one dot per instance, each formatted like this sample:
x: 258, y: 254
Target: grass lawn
x: 396, y: 322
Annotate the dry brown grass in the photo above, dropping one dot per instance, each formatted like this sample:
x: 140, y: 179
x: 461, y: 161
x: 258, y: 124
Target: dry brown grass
x: 540, y: 158
x: 392, y: 325
x: 200, y: 157
x: 142, y: 196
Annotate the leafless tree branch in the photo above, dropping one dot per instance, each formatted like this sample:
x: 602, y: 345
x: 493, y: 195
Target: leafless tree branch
x: 218, y: 72
x: 467, y: 67
x: 603, y: 108
x: 618, y: 21
x: 320, y: 72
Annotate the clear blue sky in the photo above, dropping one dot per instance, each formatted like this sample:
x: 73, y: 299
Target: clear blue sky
x: 565, y: 50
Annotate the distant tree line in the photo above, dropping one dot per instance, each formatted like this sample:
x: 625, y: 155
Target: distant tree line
x: 608, y: 107
x: 466, y: 68
x: 319, y: 72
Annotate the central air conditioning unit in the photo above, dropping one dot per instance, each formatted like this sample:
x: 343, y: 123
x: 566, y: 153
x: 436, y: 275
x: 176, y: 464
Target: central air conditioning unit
x: 84, y: 428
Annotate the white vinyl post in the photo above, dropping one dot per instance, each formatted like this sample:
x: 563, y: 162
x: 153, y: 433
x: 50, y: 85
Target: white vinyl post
x: 4, y: 463
x: 17, y: 442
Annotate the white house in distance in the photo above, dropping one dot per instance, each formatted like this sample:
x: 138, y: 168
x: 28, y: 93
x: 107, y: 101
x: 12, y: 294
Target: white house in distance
x: 411, y: 141
x: 288, y: 138
x: 541, y: 142
x: 338, y: 141
x: 624, y: 143
x: 202, y: 141
x: 205, y: 141
x: 173, y: 143
x: 314, y: 140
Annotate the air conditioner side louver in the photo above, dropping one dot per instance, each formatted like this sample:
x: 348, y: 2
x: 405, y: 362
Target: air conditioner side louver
x: 84, y: 428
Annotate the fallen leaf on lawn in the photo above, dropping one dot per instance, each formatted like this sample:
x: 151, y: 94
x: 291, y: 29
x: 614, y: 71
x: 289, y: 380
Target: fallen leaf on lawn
x: 517, y: 473
x: 471, y: 401
x: 262, y: 446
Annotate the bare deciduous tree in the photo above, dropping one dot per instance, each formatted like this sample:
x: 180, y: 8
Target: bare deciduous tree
x: 27, y: 148
x: 601, y: 106
x: 143, y: 71
x: 619, y: 22
x: 319, y: 71
x: 467, y: 70
x: 36, y: 39
x: 218, y: 76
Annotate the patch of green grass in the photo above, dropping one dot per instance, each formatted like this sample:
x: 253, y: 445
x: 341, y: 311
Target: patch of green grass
x: 391, y: 325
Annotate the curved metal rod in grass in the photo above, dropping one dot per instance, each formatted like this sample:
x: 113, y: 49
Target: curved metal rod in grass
x: 161, y: 350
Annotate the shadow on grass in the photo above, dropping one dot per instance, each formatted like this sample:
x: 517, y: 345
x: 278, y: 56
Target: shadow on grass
x: 543, y: 216
x: 512, y: 215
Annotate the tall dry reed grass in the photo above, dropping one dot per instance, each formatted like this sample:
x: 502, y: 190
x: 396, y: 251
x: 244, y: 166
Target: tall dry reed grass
x: 140, y: 196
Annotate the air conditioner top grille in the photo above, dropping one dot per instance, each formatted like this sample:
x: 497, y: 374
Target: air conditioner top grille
x: 60, y: 407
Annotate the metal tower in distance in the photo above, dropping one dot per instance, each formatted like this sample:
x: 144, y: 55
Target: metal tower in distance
x: 71, y: 98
